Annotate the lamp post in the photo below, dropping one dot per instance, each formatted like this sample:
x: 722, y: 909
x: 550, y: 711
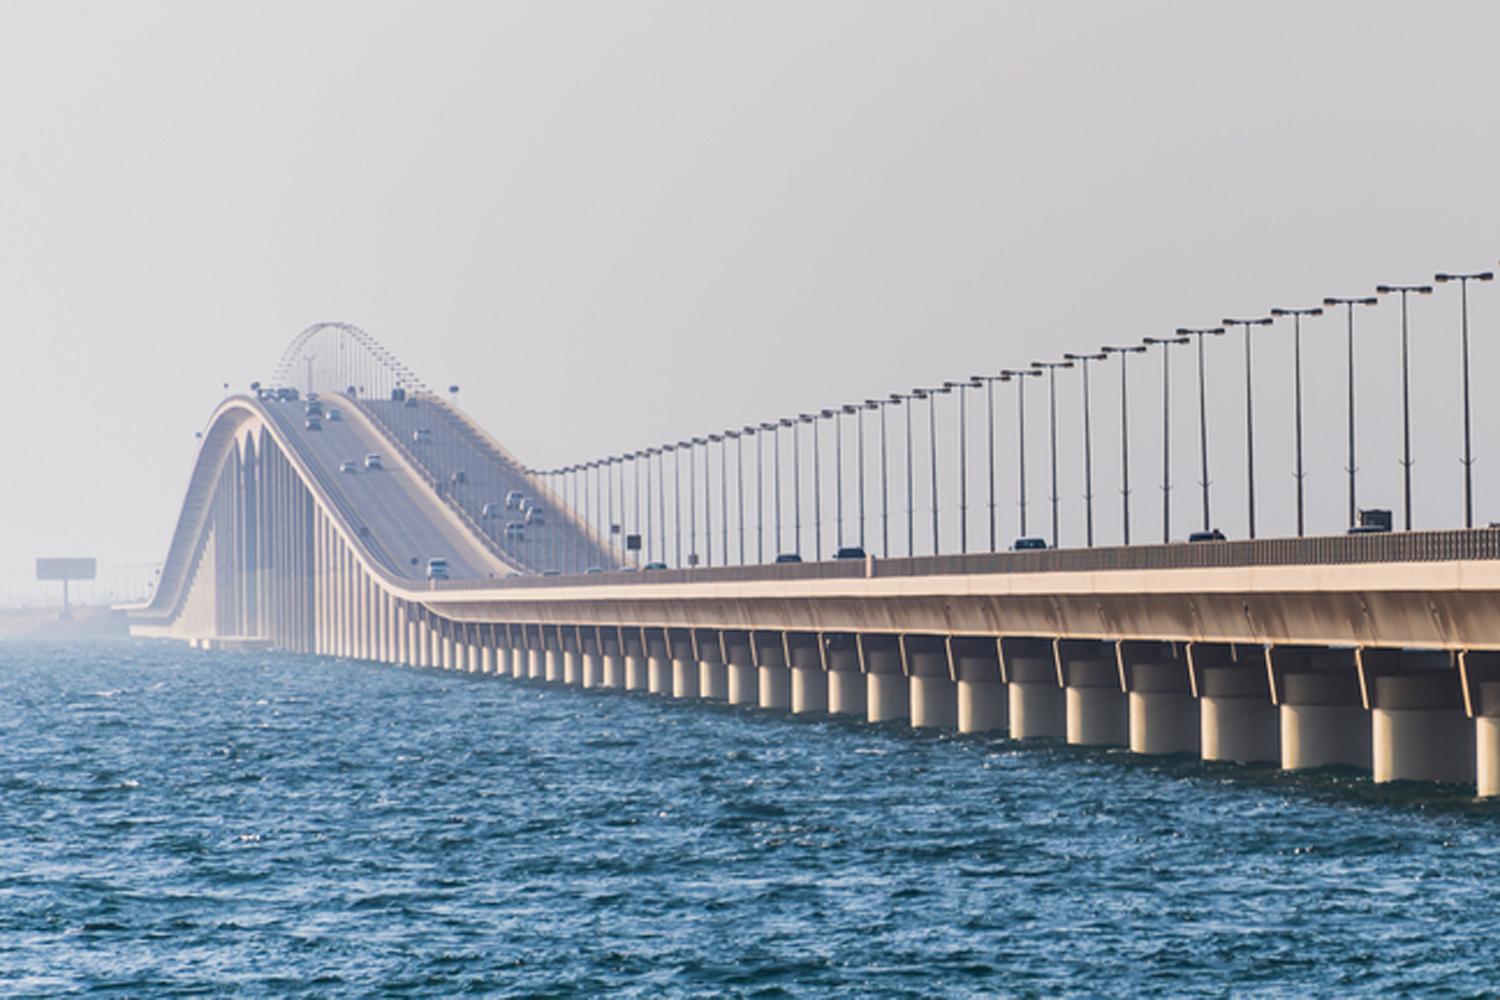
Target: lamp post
x: 931, y: 396
x: 859, y: 437
x: 911, y: 533
x: 1352, y: 468
x: 1124, y: 353
x: 1468, y: 460
x: 795, y: 425
x: 774, y: 427
x: 1297, y: 315
x: 818, y: 484
x: 885, y: 482
x: 661, y: 498
x: 1051, y: 367
x: 963, y: 459
x: 739, y: 480
x: 989, y: 414
x: 1166, y: 430
x: 760, y: 494
x: 1406, y: 459
x: 1245, y: 325
x: 838, y: 473
x: 635, y: 474
x: 1019, y: 376
x: 1082, y: 360
x: 708, y: 496
x: 723, y: 442
x: 1199, y: 334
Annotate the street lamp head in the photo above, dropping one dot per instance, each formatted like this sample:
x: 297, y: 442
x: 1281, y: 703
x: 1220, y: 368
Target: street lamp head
x: 1486, y: 276
x: 786, y: 422
x: 825, y: 414
x: 850, y: 408
x: 768, y: 426
x: 1423, y: 289
x: 749, y: 429
x: 896, y: 398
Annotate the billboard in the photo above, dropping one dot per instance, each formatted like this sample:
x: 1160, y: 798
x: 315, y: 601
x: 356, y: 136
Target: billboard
x: 65, y: 569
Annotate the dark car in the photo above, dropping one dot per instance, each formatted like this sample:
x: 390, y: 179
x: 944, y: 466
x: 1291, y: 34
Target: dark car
x: 654, y: 566
x: 1214, y: 535
x: 1374, y: 521
x: 1028, y: 544
x: 313, y: 424
x: 850, y: 552
x: 788, y: 557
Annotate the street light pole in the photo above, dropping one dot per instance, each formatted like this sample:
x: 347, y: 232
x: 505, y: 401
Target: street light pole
x: 775, y: 428
x: 760, y: 496
x: 838, y: 474
x: 1051, y: 367
x: 1468, y: 460
x: 1406, y: 459
x: 859, y: 436
x: 1124, y: 353
x: 1246, y: 324
x: 818, y: 487
x: 931, y: 396
x: 1088, y: 443
x: 1352, y: 468
x: 989, y: 421
x: 796, y: 478
x: 911, y: 532
x: 1297, y: 315
x: 1019, y: 376
x: 963, y: 458
x: 885, y: 481
x: 1166, y: 430
x: 1200, y: 334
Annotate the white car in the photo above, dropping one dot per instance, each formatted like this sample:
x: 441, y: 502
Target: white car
x: 372, y: 462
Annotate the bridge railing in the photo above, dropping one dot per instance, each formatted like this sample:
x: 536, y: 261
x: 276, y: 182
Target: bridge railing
x: 1396, y: 547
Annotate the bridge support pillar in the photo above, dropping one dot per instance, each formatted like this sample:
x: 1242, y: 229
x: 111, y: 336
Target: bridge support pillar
x: 572, y: 667
x: 1236, y: 717
x: 743, y: 680
x: 887, y: 692
x: 1418, y: 726
x: 848, y: 693
x: 713, y: 677
x: 933, y: 694
x: 593, y: 669
x: 1097, y: 713
x: 659, y: 671
x: 487, y: 660
x: 636, y: 678
x: 1480, y: 679
x: 613, y: 675
x: 552, y: 658
x: 983, y: 702
x: 1036, y: 699
x: 775, y: 679
x: 1164, y: 718
x: 809, y: 680
x: 684, y: 678
x: 1323, y: 719
x: 536, y: 663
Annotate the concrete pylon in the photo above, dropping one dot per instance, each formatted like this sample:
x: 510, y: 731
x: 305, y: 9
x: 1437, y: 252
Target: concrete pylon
x: 1163, y: 715
x: 809, y: 680
x: 847, y: 690
x: 774, y: 684
x: 983, y: 701
x: 1237, y: 720
x: 743, y: 677
x: 934, y: 695
x: 1323, y: 718
x: 1035, y: 697
x: 887, y: 693
x: 713, y: 675
x: 1097, y: 712
x: 1418, y: 726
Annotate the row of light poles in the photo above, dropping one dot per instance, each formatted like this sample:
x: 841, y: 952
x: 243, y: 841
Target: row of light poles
x: 655, y: 538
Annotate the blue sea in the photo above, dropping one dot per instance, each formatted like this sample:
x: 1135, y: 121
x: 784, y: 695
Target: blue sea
x: 175, y: 822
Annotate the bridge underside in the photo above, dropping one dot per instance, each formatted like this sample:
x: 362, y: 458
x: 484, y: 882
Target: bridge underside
x: 1389, y: 666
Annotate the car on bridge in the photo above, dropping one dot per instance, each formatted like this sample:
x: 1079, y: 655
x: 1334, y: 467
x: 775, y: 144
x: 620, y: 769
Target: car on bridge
x: 788, y: 557
x: 420, y: 435
x: 459, y: 476
x: 513, y: 500
x: 349, y: 465
x: 850, y: 552
x: 313, y: 408
x: 516, y: 530
x: 490, y: 509
x: 1212, y: 535
x: 653, y: 566
x: 313, y: 424
x: 536, y: 515
x: 372, y: 462
x: 1028, y: 544
x: 333, y: 414
x: 437, y: 569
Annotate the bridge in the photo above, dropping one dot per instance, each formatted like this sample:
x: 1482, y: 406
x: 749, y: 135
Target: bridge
x: 1371, y: 650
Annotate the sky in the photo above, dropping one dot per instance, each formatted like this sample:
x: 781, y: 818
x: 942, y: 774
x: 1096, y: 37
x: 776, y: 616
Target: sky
x: 618, y: 224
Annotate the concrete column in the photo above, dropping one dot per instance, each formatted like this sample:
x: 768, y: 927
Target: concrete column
x: 614, y: 670
x: 536, y: 663
x: 743, y: 678
x: 775, y: 678
x: 1322, y: 721
x: 659, y: 674
x: 1487, y: 738
x: 887, y: 693
x: 636, y: 673
x: 1236, y: 717
x: 491, y: 660
x: 552, y: 661
x: 572, y: 669
x: 1163, y: 714
x: 447, y: 648
x: 713, y: 680
x: 847, y: 690
x: 1095, y: 705
x: 934, y: 695
x: 684, y: 677
x: 1036, y: 700
x: 809, y: 681
x: 593, y: 669
x: 1420, y: 731
x: 983, y: 701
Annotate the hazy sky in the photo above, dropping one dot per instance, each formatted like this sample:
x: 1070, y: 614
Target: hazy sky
x: 621, y: 223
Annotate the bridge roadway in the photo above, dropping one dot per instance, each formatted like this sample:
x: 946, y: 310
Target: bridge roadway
x: 407, y: 524
x: 1374, y: 652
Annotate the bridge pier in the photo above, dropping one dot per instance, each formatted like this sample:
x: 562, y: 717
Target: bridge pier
x: 613, y: 676
x: 593, y: 659
x: 1323, y: 719
x: 552, y: 657
x: 1419, y: 729
x: 809, y: 680
x: 1164, y: 718
x: 887, y: 692
x: 1036, y: 700
x: 1096, y: 706
x: 934, y: 696
x: 713, y: 676
x: 1479, y: 675
x: 658, y: 665
x: 572, y: 656
x: 744, y: 678
x: 775, y: 679
x: 1236, y: 717
x: 983, y: 701
x: 684, y: 665
x: 536, y: 658
x: 847, y: 690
